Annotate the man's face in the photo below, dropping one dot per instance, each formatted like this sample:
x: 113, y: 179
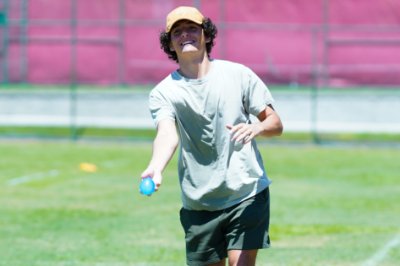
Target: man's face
x: 186, y: 37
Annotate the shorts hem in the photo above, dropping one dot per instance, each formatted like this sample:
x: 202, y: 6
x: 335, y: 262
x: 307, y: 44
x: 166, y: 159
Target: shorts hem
x: 249, y: 248
x: 200, y: 263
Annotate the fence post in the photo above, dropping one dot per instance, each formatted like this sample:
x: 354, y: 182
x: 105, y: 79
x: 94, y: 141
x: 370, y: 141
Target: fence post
x: 73, y: 81
x: 314, y: 87
x: 5, y: 41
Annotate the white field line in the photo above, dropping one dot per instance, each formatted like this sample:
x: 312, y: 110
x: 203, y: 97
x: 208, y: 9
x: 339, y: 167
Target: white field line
x: 381, y: 254
x: 35, y: 176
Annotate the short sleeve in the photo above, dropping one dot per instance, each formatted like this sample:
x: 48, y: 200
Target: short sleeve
x: 256, y: 94
x: 160, y: 107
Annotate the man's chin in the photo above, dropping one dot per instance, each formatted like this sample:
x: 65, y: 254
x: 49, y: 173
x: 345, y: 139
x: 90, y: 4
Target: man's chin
x: 189, y: 49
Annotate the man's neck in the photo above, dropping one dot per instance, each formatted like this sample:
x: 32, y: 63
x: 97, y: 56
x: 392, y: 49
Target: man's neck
x: 195, y: 68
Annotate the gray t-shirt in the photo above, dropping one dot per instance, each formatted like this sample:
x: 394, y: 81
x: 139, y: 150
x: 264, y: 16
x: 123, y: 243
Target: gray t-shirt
x: 214, y: 173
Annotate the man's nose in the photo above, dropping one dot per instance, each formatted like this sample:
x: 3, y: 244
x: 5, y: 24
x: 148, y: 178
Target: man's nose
x: 184, y: 33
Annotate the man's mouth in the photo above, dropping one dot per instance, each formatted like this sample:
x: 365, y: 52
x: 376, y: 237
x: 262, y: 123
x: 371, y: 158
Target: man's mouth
x: 186, y: 43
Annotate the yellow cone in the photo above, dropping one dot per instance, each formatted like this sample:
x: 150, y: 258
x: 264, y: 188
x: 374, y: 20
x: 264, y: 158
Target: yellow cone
x: 88, y: 167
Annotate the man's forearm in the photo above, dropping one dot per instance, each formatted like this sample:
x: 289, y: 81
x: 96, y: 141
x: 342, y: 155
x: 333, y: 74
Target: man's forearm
x: 163, y: 149
x: 270, y: 124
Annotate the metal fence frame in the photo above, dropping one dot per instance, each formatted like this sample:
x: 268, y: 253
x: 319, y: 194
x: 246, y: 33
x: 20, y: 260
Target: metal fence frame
x: 320, y: 70
x: 16, y: 31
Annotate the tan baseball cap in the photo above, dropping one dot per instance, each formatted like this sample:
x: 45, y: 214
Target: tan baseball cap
x: 183, y: 13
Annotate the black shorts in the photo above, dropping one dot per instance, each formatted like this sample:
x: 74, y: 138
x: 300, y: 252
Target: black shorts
x: 210, y: 234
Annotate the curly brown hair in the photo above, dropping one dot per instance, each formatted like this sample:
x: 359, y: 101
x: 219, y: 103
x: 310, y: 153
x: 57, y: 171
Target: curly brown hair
x: 210, y: 31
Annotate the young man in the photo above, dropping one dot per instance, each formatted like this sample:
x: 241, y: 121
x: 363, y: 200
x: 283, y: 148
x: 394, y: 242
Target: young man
x: 206, y: 105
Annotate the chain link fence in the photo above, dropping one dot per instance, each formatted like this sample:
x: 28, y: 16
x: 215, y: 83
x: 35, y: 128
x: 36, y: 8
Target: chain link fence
x: 332, y: 68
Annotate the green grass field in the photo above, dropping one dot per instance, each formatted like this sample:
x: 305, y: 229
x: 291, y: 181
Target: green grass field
x: 330, y: 206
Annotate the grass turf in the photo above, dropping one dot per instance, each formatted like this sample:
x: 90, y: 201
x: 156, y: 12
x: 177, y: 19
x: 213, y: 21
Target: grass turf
x: 330, y: 205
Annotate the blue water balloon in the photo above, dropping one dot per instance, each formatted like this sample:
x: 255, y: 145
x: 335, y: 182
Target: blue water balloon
x: 147, y: 186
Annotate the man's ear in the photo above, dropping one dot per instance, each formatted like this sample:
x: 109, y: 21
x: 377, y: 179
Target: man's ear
x: 208, y: 39
x: 171, y: 48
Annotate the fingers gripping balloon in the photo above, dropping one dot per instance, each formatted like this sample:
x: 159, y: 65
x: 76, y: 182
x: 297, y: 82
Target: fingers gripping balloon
x: 147, y: 186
